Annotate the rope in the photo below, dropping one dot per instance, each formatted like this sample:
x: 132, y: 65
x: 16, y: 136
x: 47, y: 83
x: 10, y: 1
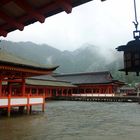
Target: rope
x: 136, y: 21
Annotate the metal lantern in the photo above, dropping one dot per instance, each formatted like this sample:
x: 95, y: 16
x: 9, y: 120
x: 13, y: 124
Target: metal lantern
x: 132, y: 50
x: 131, y: 55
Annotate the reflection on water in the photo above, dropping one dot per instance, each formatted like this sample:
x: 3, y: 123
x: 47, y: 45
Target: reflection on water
x: 69, y: 120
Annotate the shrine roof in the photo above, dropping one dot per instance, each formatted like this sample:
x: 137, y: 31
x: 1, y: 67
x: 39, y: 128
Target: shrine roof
x: 47, y: 82
x: 104, y: 77
x: 9, y: 59
x: 16, y: 14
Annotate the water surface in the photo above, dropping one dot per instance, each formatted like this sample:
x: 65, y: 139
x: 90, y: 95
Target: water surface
x: 70, y: 120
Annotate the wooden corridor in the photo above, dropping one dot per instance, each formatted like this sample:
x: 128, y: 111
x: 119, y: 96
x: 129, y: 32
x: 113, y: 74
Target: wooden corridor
x: 100, y: 99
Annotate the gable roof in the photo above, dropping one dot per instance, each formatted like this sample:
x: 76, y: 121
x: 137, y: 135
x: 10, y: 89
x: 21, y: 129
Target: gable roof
x: 12, y: 60
x: 37, y: 82
x: 48, y: 80
x: 87, y: 78
x: 16, y: 14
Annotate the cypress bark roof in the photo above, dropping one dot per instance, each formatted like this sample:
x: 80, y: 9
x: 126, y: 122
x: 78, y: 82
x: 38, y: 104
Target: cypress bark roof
x: 104, y: 77
x: 71, y: 80
x: 12, y: 60
x: 52, y: 83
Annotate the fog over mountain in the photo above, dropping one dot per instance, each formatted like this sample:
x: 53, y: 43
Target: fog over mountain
x: 86, y: 58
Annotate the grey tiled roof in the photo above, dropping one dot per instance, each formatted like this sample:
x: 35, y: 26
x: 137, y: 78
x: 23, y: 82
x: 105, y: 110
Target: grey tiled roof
x: 87, y: 78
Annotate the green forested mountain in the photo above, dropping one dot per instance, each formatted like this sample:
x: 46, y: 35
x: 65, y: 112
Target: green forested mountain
x: 85, y: 59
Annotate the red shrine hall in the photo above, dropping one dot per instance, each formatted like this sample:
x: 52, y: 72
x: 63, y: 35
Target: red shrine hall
x: 13, y: 88
x: 19, y: 86
x: 92, y: 83
x: 24, y: 83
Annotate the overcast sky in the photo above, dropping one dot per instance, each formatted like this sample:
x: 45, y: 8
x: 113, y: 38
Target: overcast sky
x: 104, y: 24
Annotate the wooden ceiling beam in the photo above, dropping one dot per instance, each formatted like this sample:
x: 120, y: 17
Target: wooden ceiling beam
x: 11, y: 21
x: 24, y: 5
x: 43, y: 10
x: 46, y: 8
x: 66, y: 5
x: 3, y: 32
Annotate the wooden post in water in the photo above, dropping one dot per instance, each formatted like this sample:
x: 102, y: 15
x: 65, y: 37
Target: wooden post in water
x: 9, y: 106
x: 28, y: 105
x: 43, y: 104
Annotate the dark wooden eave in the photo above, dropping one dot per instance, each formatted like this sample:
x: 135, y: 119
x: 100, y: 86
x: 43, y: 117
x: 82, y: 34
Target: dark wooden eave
x: 11, y: 65
x: 37, y: 67
x: 16, y: 14
x: 14, y: 70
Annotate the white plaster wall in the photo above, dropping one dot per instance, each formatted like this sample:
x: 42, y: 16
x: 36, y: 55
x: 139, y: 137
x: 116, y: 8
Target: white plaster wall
x: 3, y: 102
x: 18, y: 101
x: 35, y: 100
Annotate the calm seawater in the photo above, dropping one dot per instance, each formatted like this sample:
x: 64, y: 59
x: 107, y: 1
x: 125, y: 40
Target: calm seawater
x: 70, y: 120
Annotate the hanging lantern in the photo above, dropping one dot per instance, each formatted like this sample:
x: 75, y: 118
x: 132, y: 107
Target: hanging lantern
x: 132, y: 51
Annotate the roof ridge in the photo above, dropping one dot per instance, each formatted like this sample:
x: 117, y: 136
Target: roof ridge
x: 81, y: 73
x: 48, y: 80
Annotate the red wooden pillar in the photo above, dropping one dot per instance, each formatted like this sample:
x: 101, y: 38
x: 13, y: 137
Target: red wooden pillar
x: 30, y: 91
x: 49, y: 92
x: 9, y: 105
x: 50, y: 89
x: 99, y: 88
x: 23, y: 87
x: 43, y: 105
x: 10, y: 89
x: 107, y: 91
x: 111, y: 89
x: 63, y: 91
x: 56, y: 92
x: 28, y: 104
x: 45, y: 91
x: 0, y: 87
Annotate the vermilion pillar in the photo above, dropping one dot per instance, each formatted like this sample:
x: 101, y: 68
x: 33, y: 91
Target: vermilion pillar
x: 0, y: 87
x: 23, y: 87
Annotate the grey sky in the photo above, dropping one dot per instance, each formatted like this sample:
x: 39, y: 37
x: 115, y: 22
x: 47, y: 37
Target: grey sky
x: 104, y: 24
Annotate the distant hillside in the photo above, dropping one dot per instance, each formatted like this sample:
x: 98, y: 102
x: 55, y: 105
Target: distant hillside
x: 87, y: 58
x: 38, y: 53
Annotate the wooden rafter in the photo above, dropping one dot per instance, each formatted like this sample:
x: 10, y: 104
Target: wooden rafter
x: 31, y: 12
x: 48, y: 7
x: 43, y: 10
x: 24, y: 5
x: 37, y: 14
x: 11, y: 21
x: 65, y: 5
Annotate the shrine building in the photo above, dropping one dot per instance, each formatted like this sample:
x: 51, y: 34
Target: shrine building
x: 76, y: 84
x: 13, y: 90
x: 92, y: 83
x: 24, y: 83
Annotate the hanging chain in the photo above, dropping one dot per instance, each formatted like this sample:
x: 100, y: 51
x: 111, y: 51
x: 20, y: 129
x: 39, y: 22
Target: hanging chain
x: 136, y: 21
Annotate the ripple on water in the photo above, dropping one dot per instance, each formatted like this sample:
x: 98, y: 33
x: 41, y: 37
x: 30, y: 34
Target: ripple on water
x: 69, y: 120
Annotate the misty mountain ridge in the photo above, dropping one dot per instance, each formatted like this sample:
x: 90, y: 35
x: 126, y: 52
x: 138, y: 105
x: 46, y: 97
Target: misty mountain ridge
x: 84, y: 59
x: 87, y: 58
